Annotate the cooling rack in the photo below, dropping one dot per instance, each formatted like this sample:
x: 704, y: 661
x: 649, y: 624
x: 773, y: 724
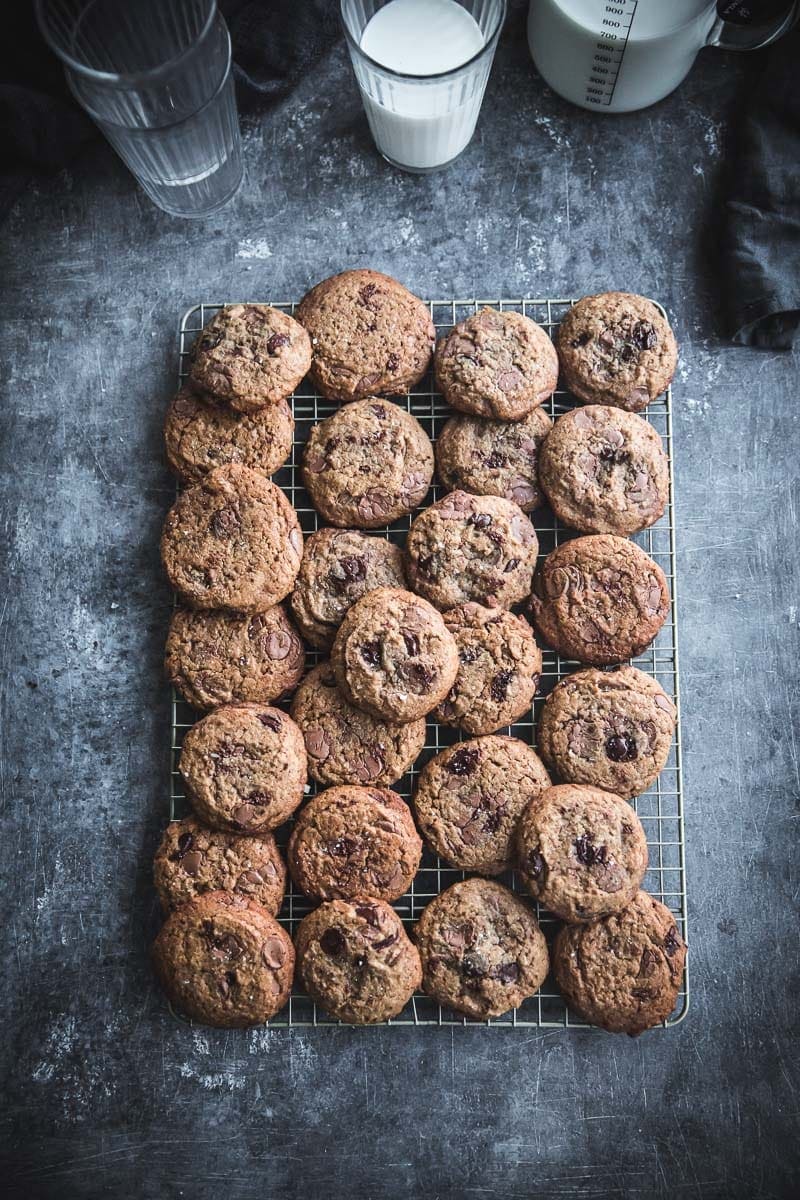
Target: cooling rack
x: 660, y: 809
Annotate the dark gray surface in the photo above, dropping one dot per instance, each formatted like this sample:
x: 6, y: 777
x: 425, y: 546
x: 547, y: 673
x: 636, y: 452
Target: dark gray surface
x: 105, y: 1094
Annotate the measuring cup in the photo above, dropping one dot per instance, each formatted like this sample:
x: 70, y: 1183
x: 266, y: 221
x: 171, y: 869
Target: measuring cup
x: 622, y: 55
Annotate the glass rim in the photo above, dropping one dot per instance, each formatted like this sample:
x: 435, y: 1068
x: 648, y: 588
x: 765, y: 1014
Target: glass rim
x: 489, y: 44
x: 115, y: 77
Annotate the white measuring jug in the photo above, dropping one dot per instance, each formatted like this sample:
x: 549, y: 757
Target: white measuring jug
x: 620, y: 55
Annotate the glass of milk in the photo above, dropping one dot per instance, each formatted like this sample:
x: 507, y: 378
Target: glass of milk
x: 621, y: 55
x: 422, y: 67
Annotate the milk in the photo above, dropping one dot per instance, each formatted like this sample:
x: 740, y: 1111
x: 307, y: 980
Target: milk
x: 422, y: 122
x: 620, y: 56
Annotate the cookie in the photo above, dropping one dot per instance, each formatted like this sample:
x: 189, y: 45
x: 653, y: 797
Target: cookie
x: 599, y: 599
x: 232, y: 541
x: 369, y: 335
x: 355, y: 960
x: 223, y: 960
x: 368, y: 464
x: 244, y: 766
x: 580, y: 851
x: 201, y: 434
x: 481, y: 948
x: 469, y: 799
x: 494, y: 458
x: 347, y: 745
x: 339, y: 567
x: 463, y: 548
x: 496, y: 364
x: 604, y: 471
x: 250, y: 355
x: 616, y: 348
x: 499, y: 665
x: 193, y: 859
x: 611, y: 729
x: 393, y: 655
x: 624, y: 971
x: 354, y: 841
x: 217, y: 657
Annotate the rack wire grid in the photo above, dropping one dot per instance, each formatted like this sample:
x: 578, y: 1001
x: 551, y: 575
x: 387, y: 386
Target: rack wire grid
x: 660, y: 809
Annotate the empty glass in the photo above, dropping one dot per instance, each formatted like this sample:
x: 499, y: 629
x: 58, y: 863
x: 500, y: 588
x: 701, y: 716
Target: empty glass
x: 156, y: 77
x: 422, y: 68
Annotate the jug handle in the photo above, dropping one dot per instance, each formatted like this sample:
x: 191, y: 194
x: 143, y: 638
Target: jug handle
x: 726, y: 35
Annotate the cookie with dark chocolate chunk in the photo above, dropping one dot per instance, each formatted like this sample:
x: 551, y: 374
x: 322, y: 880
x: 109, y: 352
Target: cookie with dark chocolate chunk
x: 612, y: 729
x: 223, y: 960
x: 599, y: 599
x: 355, y: 960
x: 482, y: 950
x: 347, y: 745
x: 368, y: 464
x: 370, y: 336
x: 616, y: 348
x: 193, y: 859
x: 604, y: 471
x: 244, y: 766
x: 354, y: 841
x: 250, y: 355
x: 215, y: 657
x: 496, y: 364
x: 624, y: 971
x: 580, y: 851
x: 494, y: 458
x: 470, y: 797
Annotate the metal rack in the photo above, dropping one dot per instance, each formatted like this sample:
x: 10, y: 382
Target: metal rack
x: 660, y: 809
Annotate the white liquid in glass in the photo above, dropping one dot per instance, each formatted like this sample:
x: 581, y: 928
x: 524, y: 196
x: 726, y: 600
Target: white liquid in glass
x: 422, y: 122
x: 617, y: 55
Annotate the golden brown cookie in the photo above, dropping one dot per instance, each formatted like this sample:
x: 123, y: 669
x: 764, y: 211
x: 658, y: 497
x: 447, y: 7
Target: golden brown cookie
x: 494, y: 458
x: 250, y: 355
x: 223, y: 960
x: 193, y: 859
x: 370, y: 336
x: 201, y: 433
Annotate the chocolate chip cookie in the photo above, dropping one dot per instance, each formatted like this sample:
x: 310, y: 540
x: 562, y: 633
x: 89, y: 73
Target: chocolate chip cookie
x: 201, y: 434
x: 624, y: 971
x: 368, y: 464
x: 581, y: 852
x: 223, y: 960
x: 612, y: 729
x: 604, y: 471
x: 599, y: 599
x: 347, y: 745
x: 494, y: 458
x: 250, y: 355
x: 354, y: 841
x: 464, y: 547
x: 394, y: 656
x: 482, y: 949
x: 499, y: 665
x: 470, y: 797
x: 339, y: 567
x: 616, y: 348
x: 232, y: 541
x: 217, y: 657
x: 244, y: 766
x: 355, y: 960
x: 193, y: 859
x: 496, y: 364
x: 369, y: 335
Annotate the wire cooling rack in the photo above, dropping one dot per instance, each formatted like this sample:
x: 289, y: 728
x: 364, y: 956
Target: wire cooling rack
x: 660, y: 809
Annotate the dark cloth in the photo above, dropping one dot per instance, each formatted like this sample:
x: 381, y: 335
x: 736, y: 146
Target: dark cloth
x: 762, y: 228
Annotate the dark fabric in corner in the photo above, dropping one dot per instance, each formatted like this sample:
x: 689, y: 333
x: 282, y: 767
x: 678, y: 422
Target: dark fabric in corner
x: 762, y: 232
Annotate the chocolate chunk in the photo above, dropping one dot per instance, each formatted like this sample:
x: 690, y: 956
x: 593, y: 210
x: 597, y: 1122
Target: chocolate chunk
x: 333, y: 943
x: 536, y: 864
x: 273, y: 952
x: 392, y: 362
x: 588, y: 854
x: 226, y: 522
x: 270, y: 722
x: 353, y: 568
x: 279, y: 644
x: 191, y: 861
x: 621, y: 748
x: 672, y: 942
x: 412, y: 642
x: 480, y: 520
x: 499, y: 685
x: 368, y: 913
x: 276, y: 342
x: 371, y: 653
x: 463, y: 762
x: 507, y: 972
x: 317, y: 744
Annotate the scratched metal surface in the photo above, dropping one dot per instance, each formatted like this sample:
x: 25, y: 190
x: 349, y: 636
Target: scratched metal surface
x: 104, y: 1094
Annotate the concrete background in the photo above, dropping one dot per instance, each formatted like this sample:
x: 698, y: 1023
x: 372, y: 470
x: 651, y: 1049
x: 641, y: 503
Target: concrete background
x: 104, y: 1094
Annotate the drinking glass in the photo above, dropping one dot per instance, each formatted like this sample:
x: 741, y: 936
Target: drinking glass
x: 155, y: 76
x: 422, y: 122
